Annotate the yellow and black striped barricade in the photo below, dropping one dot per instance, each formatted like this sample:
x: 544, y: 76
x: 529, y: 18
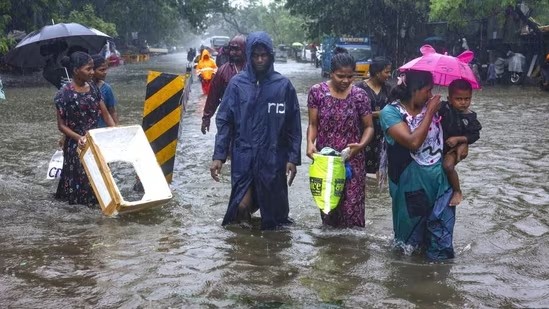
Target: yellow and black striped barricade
x: 161, y: 116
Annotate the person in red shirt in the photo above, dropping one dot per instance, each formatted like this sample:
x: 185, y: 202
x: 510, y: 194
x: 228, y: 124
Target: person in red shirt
x: 237, y: 61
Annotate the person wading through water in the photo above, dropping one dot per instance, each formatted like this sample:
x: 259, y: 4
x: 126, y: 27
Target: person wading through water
x: 260, y: 117
x: 206, y: 69
x: 237, y: 61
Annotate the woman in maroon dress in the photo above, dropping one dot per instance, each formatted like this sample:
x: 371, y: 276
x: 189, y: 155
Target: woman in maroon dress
x: 79, y: 106
x: 378, y: 94
x: 339, y: 117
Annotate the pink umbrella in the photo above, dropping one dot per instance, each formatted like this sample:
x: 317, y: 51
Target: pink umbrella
x: 444, y: 68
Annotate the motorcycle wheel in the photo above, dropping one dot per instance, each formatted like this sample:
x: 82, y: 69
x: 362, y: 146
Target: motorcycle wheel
x: 515, y: 78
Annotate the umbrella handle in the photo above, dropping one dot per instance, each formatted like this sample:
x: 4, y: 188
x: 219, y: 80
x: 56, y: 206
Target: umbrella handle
x: 67, y: 73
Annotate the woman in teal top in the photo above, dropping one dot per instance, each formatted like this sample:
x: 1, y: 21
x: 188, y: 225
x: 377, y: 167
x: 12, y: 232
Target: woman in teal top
x: 422, y: 217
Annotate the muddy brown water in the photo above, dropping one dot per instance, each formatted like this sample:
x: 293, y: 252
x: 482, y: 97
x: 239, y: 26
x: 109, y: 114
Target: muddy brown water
x: 54, y: 255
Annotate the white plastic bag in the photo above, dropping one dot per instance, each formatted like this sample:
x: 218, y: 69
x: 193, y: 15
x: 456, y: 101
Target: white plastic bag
x: 2, y: 94
x: 56, y: 165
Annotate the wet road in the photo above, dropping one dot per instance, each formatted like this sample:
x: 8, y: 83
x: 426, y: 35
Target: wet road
x: 54, y: 255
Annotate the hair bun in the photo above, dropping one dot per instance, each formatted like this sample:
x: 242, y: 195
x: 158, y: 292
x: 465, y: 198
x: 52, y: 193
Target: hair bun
x: 340, y: 50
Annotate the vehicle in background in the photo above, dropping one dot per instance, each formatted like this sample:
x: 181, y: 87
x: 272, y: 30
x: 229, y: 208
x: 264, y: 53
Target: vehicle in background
x: 510, y: 69
x: 516, y: 67
x: 158, y: 50
x: 306, y: 54
x: 359, y: 47
x: 281, y: 53
x: 111, y: 54
x: 216, y: 42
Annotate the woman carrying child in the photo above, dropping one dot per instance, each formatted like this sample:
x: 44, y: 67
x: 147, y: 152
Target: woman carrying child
x: 422, y: 218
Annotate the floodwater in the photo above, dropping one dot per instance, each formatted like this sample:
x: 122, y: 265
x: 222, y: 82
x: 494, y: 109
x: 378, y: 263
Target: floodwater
x: 54, y: 255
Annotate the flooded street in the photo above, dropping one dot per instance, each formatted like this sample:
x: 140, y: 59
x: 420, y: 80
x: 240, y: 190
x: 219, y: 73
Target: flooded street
x: 58, y: 255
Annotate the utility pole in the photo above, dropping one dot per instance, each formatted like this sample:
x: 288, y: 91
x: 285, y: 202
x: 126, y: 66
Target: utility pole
x: 397, y: 32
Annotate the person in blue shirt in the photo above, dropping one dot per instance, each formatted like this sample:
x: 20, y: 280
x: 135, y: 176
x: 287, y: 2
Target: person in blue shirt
x: 100, y: 66
x: 259, y: 116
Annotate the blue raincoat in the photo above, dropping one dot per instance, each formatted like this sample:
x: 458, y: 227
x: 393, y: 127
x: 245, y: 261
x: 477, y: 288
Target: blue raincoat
x: 261, y: 119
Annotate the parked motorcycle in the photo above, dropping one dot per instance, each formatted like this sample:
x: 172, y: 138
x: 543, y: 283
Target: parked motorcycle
x: 511, y: 69
x: 516, y: 67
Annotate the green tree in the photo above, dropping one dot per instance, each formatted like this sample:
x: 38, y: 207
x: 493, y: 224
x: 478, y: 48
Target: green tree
x: 508, y: 15
x: 5, y: 18
x: 384, y: 20
x: 459, y: 13
x: 282, y: 25
x: 160, y: 21
x: 155, y: 20
x: 30, y: 15
x: 88, y: 17
x: 275, y: 19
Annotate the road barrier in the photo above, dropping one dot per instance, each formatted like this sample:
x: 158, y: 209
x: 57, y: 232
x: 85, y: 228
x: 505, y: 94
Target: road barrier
x: 162, y: 112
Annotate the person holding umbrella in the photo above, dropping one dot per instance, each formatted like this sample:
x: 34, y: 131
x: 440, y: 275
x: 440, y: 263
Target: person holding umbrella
x: 420, y: 192
x: 51, y: 42
x: 79, y: 106
x: 52, y: 71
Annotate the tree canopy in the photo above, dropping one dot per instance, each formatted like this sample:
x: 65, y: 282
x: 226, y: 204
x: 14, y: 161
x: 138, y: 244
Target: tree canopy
x: 386, y: 21
x: 157, y: 21
x: 392, y: 23
x: 460, y: 12
x: 275, y: 19
x: 88, y: 17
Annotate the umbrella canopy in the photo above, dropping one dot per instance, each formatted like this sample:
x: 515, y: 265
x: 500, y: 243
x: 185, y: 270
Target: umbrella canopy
x: 35, y: 48
x: 297, y: 44
x: 444, y: 68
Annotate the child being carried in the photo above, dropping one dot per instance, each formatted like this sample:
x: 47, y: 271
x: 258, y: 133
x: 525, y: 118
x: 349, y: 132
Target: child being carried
x: 460, y: 128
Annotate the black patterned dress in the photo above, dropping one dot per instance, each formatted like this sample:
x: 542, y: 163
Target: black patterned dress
x: 378, y: 102
x: 80, y: 112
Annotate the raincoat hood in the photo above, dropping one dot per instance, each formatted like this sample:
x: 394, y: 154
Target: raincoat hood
x: 205, y: 55
x: 254, y: 39
x: 239, y: 40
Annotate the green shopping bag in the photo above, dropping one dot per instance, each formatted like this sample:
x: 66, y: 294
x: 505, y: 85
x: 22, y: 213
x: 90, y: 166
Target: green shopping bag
x: 327, y: 180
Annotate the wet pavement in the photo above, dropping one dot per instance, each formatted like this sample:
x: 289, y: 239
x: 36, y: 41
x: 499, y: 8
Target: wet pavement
x: 56, y: 255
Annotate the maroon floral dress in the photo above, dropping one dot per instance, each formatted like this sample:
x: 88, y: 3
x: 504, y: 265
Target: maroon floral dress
x: 340, y: 124
x: 80, y: 112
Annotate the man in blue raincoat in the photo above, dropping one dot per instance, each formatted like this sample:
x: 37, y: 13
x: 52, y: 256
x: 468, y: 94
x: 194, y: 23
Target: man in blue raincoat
x: 259, y: 115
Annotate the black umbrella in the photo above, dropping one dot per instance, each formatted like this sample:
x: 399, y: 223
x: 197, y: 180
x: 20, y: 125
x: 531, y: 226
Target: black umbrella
x: 52, y: 41
x: 434, y: 39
